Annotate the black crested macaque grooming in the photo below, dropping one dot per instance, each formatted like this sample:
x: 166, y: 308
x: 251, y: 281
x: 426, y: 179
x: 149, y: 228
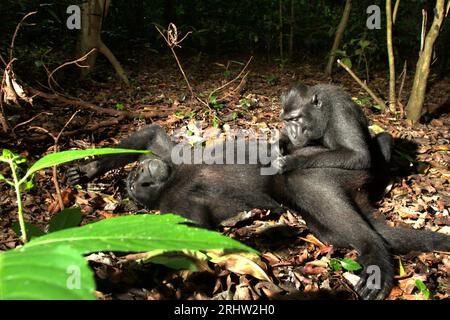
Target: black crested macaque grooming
x: 323, y: 115
x: 333, y: 201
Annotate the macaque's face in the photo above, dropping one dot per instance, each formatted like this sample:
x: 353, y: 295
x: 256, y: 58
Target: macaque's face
x: 146, y: 182
x: 303, y: 117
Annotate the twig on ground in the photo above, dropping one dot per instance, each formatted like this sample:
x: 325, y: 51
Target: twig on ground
x: 30, y: 120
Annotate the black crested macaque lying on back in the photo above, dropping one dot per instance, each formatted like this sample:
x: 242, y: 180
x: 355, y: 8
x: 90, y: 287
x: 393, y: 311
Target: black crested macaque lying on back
x: 206, y: 194
x: 333, y: 201
x: 325, y: 115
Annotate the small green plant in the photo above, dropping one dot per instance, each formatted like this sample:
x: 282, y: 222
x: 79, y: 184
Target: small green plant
x: 246, y: 103
x: 366, y: 102
x: 282, y: 62
x: 271, y: 79
x: 215, y: 122
x: 186, y: 115
x: 25, y: 181
x: 423, y: 289
x: 347, y: 264
x: 119, y: 106
x: 227, y: 74
x: 357, y: 49
x: 215, y: 104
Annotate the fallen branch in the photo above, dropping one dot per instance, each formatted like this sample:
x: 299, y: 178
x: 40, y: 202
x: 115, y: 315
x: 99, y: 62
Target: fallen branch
x: 363, y: 85
x: 92, y: 128
x: 71, y: 101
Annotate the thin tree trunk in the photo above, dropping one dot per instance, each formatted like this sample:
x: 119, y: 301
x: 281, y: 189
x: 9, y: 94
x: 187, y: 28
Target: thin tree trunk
x: 392, y: 99
x: 417, y: 97
x: 281, y: 28
x: 89, y: 38
x: 291, y: 31
x: 338, y: 37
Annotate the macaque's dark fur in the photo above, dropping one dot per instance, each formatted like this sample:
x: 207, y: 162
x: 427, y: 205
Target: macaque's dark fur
x: 324, y: 115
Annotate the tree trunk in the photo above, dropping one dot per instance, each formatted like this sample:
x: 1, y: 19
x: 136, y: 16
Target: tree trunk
x: 338, y: 37
x: 392, y: 99
x: 417, y: 97
x: 291, y: 31
x: 92, y: 14
x: 280, y: 2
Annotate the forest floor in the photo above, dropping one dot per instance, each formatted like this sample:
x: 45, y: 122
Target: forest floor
x: 293, y: 264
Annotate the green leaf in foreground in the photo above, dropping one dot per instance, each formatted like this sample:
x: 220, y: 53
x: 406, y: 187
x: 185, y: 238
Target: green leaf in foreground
x: 139, y: 233
x: 68, y: 218
x: 54, y: 159
x: 45, y: 273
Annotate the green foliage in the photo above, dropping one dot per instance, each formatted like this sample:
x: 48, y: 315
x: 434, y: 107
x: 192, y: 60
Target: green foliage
x: 68, y: 218
x: 53, y: 272
x: 335, y: 265
x: 52, y: 266
x: 177, y: 260
x: 56, y: 158
x: 138, y: 233
x: 227, y: 74
x: 271, y: 79
x: 32, y: 231
x: 358, y: 50
x: 347, y: 264
x: 186, y: 115
x: 16, y: 161
x: 364, y: 101
x: 246, y: 103
x: 215, y: 104
x: 119, y: 106
x: 215, y: 123
x: 423, y: 289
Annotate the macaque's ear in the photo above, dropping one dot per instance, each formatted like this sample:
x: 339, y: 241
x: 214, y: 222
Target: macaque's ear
x: 316, y: 101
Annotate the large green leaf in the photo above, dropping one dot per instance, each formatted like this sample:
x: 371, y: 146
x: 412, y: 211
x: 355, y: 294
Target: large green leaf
x: 139, y: 233
x: 56, y: 158
x: 45, y: 273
